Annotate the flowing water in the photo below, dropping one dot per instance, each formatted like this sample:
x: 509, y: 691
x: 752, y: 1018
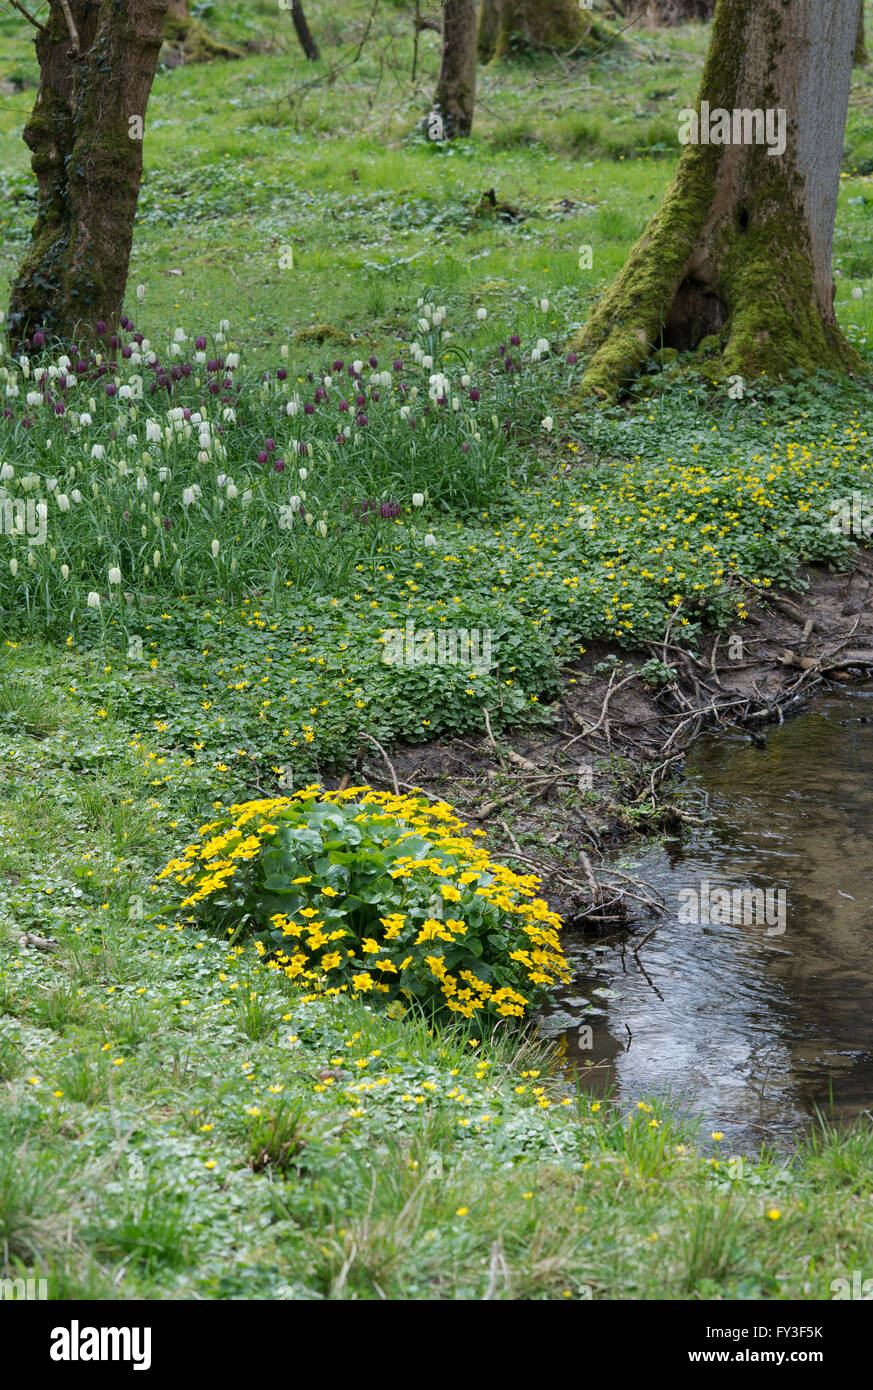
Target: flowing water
x: 752, y: 1024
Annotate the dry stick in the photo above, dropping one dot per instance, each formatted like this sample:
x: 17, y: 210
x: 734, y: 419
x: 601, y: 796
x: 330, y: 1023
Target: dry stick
x: 35, y: 22
x: 491, y: 738
x: 611, y: 690
x: 377, y: 744
x: 516, y: 846
x: 712, y: 666
x: 410, y: 786
x: 71, y: 25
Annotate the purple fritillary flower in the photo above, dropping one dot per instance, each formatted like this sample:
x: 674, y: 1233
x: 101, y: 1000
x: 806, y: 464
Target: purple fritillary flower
x: 572, y: 358
x: 309, y: 408
x: 362, y: 419
x: 100, y: 328
x: 465, y: 447
x: 475, y: 394
x: 127, y: 350
x: 279, y: 466
x: 270, y: 446
x: 337, y: 366
x: 374, y: 361
x: 360, y: 400
x: 343, y: 405
x: 281, y: 374
x: 263, y: 456
x: 111, y: 388
x: 515, y: 341
x: 200, y: 343
x: 398, y: 365
x: 38, y: 340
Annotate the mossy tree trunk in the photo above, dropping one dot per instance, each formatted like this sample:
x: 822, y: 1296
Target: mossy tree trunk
x: 741, y: 246
x: 679, y: 11
x: 85, y: 136
x: 541, y: 25
x: 455, y: 94
x: 190, y: 39
x: 861, y: 43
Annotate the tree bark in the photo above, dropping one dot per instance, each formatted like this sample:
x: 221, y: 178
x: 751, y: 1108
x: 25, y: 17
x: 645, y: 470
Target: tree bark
x: 456, y: 87
x: 679, y: 11
x: 87, y: 166
x: 741, y: 246
x: 861, y: 43
x: 540, y: 25
x: 304, y: 34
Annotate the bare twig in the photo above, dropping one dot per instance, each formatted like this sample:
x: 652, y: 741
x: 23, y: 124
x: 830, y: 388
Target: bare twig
x: 71, y: 25
x: 376, y: 744
x: 21, y: 10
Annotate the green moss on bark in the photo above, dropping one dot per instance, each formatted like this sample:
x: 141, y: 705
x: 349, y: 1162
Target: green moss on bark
x: 732, y: 260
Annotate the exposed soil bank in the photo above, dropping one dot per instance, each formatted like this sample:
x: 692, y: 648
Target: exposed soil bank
x: 557, y: 798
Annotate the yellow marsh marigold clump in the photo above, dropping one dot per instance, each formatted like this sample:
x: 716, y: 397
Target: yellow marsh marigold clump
x: 367, y: 893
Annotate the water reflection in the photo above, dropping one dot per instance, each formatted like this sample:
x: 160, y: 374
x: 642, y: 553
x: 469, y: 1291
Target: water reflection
x: 753, y: 1029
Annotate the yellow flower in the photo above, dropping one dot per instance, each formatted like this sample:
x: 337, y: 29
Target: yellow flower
x: 774, y: 1214
x: 461, y: 1211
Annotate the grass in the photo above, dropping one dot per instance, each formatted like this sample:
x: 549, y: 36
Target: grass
x: 176, y: 1120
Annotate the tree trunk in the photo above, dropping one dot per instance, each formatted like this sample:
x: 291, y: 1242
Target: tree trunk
x: 304, y: 34
x: 188, y: 40
x: 507, y: 26
x: 860, y: 43
x: 741, y: 246
x: 88, y: 168
x: 456, y: 87
x: 679, y: 11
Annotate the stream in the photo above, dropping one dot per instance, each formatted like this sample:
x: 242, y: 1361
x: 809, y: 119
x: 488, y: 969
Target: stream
x: 759, y: 1017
